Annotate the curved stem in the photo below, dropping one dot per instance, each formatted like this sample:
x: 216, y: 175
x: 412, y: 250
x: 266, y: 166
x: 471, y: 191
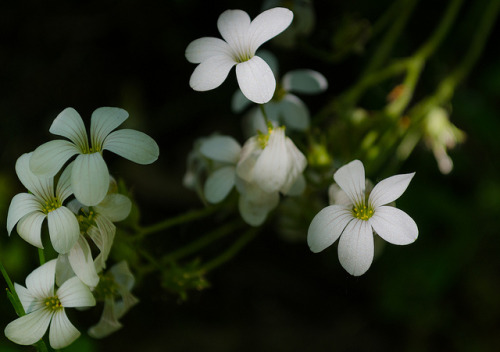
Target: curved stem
x: 202, y: 242
x: 231, y: 251
x: 180, y: 219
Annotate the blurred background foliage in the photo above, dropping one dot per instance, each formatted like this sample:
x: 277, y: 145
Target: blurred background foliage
x: 438, y: 294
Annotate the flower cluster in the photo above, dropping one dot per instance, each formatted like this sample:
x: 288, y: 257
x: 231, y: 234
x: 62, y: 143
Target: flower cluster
x: 269, y: 163
x: 79, y: 200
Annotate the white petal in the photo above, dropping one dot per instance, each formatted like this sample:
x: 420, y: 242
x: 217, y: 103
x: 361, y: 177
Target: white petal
x: 63, y: 189
x: 62, y: 332
x: 64, y: 229
x: 108, y: 323
x: 294, y: 113
x: 327, y: 226
x: 29, y: 228
x: 74, y: 293
x: 389, y: 189
x: 122, y: 275
x: 40, y: 282
x: 204, y: 48
x: 394, y: 225
x: 29, y: 302
x: 255, y: 213
x: 269, y: 24
x: 41, y: 187
x: 104, y: 120
x: 103, y: 237
x: 305, y: 82
x: 82, y: 263
x: 115, y: 207
x: 63, y: 269
x: 221, y: 148
x: 50, y: 157
x: 239, y: 102
x: 233, y: 25
x: 296, y: 188
x: 127, y: 302
x: 219, y: 184
x: 273, y: 165
x: 256, y: 80
x: 249, y: 153
x: 297, y: 164
x: 69, y: 124
x: 90, y: 178
x: 211, y: 73
x: 21, y: 205
x: 356, y: 247
x: 132, y: 145
x: 351, y: 178
x: 29, y: 328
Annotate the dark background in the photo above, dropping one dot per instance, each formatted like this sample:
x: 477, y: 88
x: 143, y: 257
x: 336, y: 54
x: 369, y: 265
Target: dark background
x: 438, y: 294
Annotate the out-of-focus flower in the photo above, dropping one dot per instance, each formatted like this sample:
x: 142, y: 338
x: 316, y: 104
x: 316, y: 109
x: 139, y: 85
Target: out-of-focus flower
x: 44, y: 307
x: 114, y: 289
x: 90, y: 175
x: 440, y: 135
x: 29, y: 210
x: 355, y: 218
x: 242, y: 38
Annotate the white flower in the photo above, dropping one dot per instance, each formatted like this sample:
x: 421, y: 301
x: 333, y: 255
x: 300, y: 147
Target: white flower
x: 96, y: 223
x: 242, y: 38
x: 354, y: 223
x: 90, y: 176
x: 44, y: 307
x: 254, y: 204
x: 271, y: 161
x: 28, y: 210
x: 285, y: 107
x: 114, y: 289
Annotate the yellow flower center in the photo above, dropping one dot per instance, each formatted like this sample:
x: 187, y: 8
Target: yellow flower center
x: 107, y: 287
x: 51, y: 205
x: 53, y: 303
x: 362, y: 212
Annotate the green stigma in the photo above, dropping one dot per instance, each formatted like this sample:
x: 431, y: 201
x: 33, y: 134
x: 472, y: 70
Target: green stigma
x: 362, y: 212
x: 53, y: 303
x: 51, y: 205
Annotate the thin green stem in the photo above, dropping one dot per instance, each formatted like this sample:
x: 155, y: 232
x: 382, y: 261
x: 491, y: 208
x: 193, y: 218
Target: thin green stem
x: 231, y: 252
x: 428, y: 48
x: 41, y: 256
x: 202, y: 242
x: 263, y: 110
x: 180, y: 219
x: 403, y: 9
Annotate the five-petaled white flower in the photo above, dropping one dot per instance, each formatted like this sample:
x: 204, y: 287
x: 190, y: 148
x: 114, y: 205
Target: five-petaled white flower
x: 44, y: 307
x: 90, y: 175
x: 28, y: 210
x: 242, y: 38
x: 355, y: 223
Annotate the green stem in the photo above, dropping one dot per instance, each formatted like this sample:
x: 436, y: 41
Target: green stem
x: 202, y: 242
x: 180, y: 219
x: 231, y: 252
x: 402, y: 9
x: 428, y: 48
x: 263, y: 110
x: 41, y: 256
